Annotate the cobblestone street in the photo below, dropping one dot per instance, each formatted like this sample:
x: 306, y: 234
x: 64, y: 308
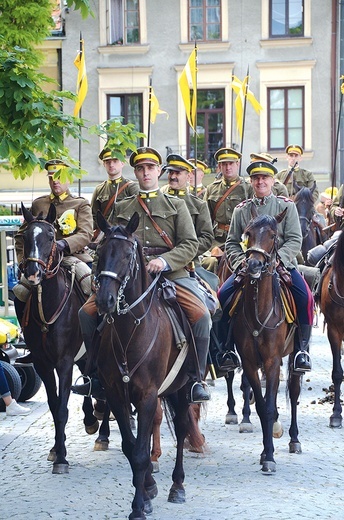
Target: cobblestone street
x: 224, y: 483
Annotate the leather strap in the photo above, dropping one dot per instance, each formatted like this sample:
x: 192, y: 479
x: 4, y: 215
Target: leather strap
x: 108, y: 206
x: 224, y: 196
x: 161, y: 232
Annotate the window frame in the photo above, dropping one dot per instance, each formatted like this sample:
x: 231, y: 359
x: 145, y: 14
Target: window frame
x: 205, y: 25
x: 287, y: 34
x: 287, y: 140
x: 124, y: 104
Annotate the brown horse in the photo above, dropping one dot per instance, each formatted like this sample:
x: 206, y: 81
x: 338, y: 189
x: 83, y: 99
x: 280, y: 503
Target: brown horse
x: 50, y: 327
x: 332, y: 307
x: 260, y: 332
x: 137, y: 352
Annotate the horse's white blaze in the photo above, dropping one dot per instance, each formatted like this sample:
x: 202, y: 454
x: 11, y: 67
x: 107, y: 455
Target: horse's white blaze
x: 36, y: 232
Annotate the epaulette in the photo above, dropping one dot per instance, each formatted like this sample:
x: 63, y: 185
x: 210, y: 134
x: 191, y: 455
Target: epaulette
x: 243, y: 203
x: 286, y: 199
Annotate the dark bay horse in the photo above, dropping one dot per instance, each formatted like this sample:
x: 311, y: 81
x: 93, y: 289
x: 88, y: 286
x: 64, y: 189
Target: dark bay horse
x: 260, y: 331
x: 137, y: 351
x: 332, y: 307
x: 311, y: 226
x: 51, y: 328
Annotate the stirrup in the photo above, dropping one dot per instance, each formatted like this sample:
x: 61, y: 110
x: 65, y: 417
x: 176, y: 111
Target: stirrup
x: 307, y: 358
x: 89, y: 380
x: 205, y: 388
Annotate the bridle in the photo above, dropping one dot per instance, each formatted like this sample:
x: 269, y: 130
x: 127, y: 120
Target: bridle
x: 269, y: 264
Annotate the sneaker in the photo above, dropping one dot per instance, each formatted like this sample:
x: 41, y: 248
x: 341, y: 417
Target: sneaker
x: 15, y: 409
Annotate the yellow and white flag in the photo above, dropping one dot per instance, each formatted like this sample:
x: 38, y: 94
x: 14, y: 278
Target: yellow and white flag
x: 242, y: 91
x: 81, y: 84
x: 155, y: 107
x: 187, y: 77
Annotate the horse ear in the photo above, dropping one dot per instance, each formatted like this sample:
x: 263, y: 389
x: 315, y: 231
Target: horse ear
x: 254, y: 212
x: 133, y: 223
x: 103, y: 224
x: 26, y: 213
x: 281, y: 216
x: 51, y: 217
x: 296, y: 186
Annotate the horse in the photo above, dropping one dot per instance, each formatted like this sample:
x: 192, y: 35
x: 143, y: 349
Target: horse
x: 137, y: 351
x: 51, y: 332
x: 260, y: 331
x: 311, y: 227
x: 332, y: 307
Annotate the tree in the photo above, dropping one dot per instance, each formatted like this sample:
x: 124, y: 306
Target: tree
x: 32, y: 123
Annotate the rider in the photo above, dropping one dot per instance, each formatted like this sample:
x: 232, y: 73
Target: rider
x: 196, y: 178
x: 171, y: 215
x: 73, y: 226
x: 262, y: 176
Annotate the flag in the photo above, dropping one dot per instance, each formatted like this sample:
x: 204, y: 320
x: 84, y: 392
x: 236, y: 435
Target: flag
x: 189, y: 76
x: 342, y: 85
x: 242, y: 91
x: 155, y: 107
x: 81, y: 84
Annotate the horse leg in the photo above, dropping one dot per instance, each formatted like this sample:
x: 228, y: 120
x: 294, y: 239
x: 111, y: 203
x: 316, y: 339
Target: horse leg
x: 90, y: 421
x: 195, y: 439
x: 335, y: 339
x: 102, y: 441
x: 246, y: 425
x: 156, y: 444
x: 294, y: 387
x: 231, y: 416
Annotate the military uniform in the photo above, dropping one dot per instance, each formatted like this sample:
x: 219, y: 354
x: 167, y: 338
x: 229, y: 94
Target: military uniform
x: 301, y: 177
x: 78, y: 238
x: 106, y: 190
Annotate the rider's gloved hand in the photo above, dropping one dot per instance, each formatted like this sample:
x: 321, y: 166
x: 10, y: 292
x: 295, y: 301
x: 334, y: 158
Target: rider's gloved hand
x: 61, y: 245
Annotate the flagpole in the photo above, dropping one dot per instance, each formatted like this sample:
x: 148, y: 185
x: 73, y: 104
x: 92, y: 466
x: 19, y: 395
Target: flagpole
x: 79, y: 181
x: 333, y: 180
x: 195, y: 128
x: 149, y: 112
x: 244, y: 117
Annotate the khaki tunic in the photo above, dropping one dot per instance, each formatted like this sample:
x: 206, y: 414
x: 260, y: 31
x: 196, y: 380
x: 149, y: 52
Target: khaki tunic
x: 302, y: 178
x: 105, y: 191
x: 224, y: 213
x: 337, y: 202
x: 78, y: 239
x: 289, y: 230
x: 173, y: 217
x: 200, y: 191
x: 200, y: 217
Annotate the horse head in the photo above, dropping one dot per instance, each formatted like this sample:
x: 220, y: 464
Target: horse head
x: 39, y: 245
x: 305, y: 207
x: 262, y: 240
x: 117, y: 265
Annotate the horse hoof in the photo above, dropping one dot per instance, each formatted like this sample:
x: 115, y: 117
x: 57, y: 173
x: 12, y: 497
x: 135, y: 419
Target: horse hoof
x: 155, y: 466
x: 152, y: 492
x: 231, y: 418
x: 245, y: 427
x: 176, y: 495
x: 335, y: 422
x: 148, y: 508
x: 52, y: 456
x: 101, y: 445
x: 93, y: 428
x: 60, y: 469
x: 137, y: 516
x: 295, y: 447
x: 269, y: 467
x: 277, y: 430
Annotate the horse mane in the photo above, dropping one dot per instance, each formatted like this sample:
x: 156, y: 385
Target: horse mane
x: 338, y: 257
x: 261, y: 220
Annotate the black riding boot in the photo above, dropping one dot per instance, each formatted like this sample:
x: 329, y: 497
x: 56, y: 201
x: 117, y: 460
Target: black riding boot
x: 227, y: 358
x: 198, y: 390
x: 302, y: 360
x: 93, y: 386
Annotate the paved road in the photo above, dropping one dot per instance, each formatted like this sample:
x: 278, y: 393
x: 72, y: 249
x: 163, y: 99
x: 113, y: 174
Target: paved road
x: 221, y: 484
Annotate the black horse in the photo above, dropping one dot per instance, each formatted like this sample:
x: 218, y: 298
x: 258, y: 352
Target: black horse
x: 137, y: 353
x: 51, y: 331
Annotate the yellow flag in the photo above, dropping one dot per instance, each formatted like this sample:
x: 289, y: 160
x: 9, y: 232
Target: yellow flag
x: 155, y: 107
x: 342, y: 85
x: 189, y: 76
x: 81, y: 84
x: 242, y: 90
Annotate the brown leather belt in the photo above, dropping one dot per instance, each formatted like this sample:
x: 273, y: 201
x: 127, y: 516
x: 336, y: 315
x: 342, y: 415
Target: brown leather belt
x: 149, y: 251
x: 225, y: 227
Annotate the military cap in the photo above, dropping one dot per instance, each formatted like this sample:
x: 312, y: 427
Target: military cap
x: 261, y: 168
x: 227, y: 155
x: 294, y: 148
x: 54, y: 165
x: 144, y: 155
x: 176, y: 162
x: 200, y: 164
x: 105, y: 154
x: 266, y: 157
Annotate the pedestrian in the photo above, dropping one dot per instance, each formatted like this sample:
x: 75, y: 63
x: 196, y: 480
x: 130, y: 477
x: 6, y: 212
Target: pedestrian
x: 12, y: 407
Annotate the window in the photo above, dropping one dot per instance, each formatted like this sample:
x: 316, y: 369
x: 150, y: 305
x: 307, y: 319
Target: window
x: 210, y: 126
x: 286, y: 18
x: 285, y: 117
x: 124, y: 22
x: 205, y: 20
x: 128, y: 107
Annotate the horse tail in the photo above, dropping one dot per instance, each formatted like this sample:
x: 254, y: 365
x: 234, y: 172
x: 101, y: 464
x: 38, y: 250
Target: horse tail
x: 338, y: 263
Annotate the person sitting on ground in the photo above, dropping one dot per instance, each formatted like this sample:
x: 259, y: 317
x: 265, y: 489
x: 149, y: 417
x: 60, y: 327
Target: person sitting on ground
x: 168, y: 254
x: 12, y: 407
x: 262, y: 176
